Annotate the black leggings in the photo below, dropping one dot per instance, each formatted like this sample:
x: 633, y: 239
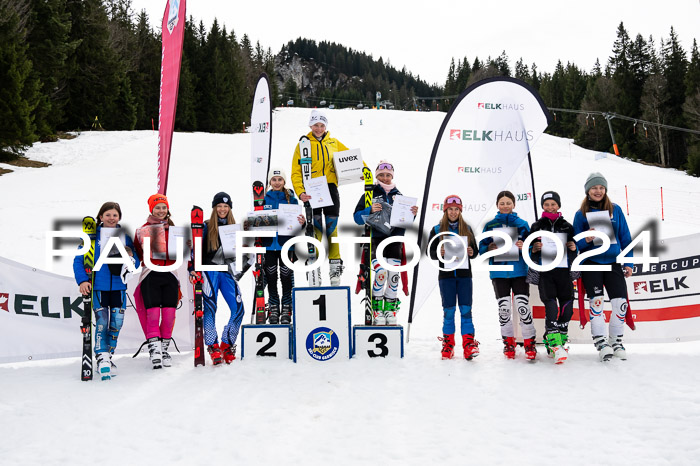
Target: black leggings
x: 613, y: 281
x: 160, y: 289
x: 273, y: 260
x: 503, y: 286
x: 555, y: 285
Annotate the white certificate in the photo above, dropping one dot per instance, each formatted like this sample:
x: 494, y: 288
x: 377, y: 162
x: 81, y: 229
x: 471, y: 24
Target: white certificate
x: 288, y: 215
x: 317, y: 188
x: 227, y: 236
x: 105, y: 234
x: 457, y: 250
x: 173, y: 234
x: 549, y: 250
x: 600, y: 221
x: 401, y: 215
x: 514, y: 253
x: 348, y: 166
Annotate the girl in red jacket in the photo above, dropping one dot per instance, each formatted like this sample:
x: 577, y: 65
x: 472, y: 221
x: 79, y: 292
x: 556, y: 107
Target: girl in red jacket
x: 160, y: 291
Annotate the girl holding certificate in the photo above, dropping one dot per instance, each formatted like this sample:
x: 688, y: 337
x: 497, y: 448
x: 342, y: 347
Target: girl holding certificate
x: 513, y: 281
x: 223, y: 281
x: 108, y: 291
x: 456, y: 284
x: 385, y: 303
x: 556, y: 284
x: 613, y: 223
x: 158, y: 293
x: 276, y: 196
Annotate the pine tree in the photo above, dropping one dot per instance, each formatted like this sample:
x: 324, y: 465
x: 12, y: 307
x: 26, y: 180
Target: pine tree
x: 692, y: 76
x: 19, y: 93
x: 522, y: 71
x: 48, y: 48
x: 93, y: 70
x: 675, y: 65
x: 145, y: 78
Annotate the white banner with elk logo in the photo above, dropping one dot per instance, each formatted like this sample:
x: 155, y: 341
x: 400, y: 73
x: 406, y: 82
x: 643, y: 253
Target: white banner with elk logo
x: 482, y: 148
x: 664, y: 301
x: 40, y: 314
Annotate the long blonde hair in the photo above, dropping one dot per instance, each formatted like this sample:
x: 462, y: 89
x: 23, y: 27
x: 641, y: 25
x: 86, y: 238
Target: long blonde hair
x: 462, y: 229
x: 213, y: 232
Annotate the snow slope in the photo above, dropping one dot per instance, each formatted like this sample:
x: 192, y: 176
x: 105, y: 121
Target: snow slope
x: 416, y: 411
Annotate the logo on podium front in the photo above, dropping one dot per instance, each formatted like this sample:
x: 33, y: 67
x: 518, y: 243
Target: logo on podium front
x: 322, y: 343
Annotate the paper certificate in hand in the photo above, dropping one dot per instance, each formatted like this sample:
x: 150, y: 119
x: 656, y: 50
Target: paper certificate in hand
x: 549, y: 250
x: 456, y: 251
x: 173, y: 234
x: 317, y: 188
x: 227, y: 236
x: 600, y: 221
x: 401, y: 215
x: 514, y: 253
x: 106, y: 233
x: 288, y: 215
x: 348, y: 166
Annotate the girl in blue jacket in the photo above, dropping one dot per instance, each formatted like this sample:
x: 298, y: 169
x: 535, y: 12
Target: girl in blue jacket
x: 613, y: 281
x: 514, y: 281
x: 279, y: 194
x: 108, y: 292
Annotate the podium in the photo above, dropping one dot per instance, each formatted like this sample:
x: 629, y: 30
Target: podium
x: 321, y: 324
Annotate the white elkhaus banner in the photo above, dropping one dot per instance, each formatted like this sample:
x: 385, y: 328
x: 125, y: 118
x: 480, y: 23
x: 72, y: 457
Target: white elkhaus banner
x: 40, y: 314
x: 664, y: 301
x: 481, y: 149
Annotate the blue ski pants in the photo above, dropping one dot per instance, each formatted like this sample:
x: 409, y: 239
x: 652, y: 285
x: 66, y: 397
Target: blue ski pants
x: 224, y: 282
x: 456, y: 291
x: 108, y: 307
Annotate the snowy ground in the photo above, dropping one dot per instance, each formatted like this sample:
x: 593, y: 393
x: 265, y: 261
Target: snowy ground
x: 420, y: 410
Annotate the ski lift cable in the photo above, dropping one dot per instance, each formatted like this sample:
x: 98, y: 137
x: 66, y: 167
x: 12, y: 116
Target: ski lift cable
x: 612, y: 115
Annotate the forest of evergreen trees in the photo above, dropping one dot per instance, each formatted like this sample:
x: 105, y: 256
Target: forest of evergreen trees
x: 370, y: 76
x: 639, y: 80
x: 64, y: 63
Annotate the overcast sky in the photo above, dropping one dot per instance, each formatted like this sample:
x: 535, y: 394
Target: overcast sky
x: 425, y: 36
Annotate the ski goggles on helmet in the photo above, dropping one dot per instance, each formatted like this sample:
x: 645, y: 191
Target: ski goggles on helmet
x: 452, y: 201
x: 385, y: 166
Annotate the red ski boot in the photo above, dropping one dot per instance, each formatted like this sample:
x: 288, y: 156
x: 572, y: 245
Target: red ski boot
x: 471, y: 346
x: 509, y: 347
x: 229, y: 352
x: 448, y: 346
x: 530, y: 350
x: 215, y: 353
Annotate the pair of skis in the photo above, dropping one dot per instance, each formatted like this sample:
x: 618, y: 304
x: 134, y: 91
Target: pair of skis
x: 259, y: 301
x: 197, y: 224
x: 313, y: 276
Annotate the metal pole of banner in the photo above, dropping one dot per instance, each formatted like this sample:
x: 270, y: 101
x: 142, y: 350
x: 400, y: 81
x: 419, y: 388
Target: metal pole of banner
x: 627, y: 201
x: 662, y: 203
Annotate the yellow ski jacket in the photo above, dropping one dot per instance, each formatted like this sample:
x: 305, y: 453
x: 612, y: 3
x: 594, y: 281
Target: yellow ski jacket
x: 321, y: 160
